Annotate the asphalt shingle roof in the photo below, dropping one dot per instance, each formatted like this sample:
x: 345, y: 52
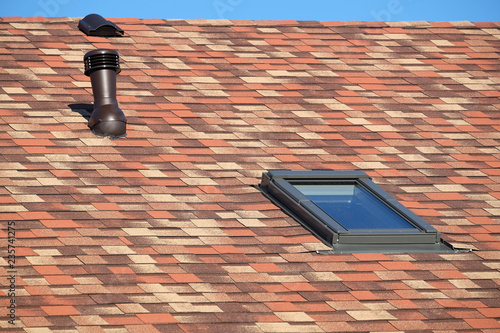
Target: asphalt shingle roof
x: 164, y: 231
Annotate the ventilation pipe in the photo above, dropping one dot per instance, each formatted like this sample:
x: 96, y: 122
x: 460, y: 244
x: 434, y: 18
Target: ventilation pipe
x: 107, y: 119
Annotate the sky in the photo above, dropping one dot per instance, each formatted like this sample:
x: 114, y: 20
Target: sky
x: 317, y: 10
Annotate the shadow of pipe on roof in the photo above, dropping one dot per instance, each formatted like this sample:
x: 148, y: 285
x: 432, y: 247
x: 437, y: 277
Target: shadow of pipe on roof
x: 84, y: 109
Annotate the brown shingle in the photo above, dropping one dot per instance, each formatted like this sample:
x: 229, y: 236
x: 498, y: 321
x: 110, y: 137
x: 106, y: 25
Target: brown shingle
x: 165, y: 227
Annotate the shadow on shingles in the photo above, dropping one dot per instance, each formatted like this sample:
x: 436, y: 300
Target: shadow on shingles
x: 84, y: 109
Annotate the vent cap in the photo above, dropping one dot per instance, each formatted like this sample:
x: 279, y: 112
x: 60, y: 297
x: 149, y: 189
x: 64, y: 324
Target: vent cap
x: 101, y: 59
x: 96, y: 25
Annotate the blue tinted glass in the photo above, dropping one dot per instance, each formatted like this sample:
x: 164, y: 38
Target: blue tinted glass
x: 353, y: 207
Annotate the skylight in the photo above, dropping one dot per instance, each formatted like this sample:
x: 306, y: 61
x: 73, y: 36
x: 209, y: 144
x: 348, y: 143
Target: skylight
x: 348, y: 211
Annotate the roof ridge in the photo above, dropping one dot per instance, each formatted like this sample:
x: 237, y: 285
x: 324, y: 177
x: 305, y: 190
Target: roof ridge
x: 203, y: 22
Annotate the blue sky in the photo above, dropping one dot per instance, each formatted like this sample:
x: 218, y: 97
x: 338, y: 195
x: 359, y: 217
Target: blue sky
x: 321, y: 10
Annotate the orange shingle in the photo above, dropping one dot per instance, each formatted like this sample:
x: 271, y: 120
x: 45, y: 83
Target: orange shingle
x: 164, y: 230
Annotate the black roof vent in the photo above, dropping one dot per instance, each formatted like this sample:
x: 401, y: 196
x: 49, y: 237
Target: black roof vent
x: 96, y: 25
x: 107, y: 119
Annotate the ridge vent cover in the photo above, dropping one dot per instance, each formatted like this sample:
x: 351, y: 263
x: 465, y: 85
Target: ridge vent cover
x: 96, y: 25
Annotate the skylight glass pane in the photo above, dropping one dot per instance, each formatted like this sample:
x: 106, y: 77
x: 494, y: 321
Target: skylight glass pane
x: 354, y: 207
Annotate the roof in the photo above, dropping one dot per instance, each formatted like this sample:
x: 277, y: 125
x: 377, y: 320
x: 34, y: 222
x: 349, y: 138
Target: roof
x: 164, y: 230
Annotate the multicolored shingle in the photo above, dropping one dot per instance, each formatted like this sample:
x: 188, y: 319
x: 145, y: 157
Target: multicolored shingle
x: 164, y: 231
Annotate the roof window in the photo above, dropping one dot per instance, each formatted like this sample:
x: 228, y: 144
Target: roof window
x: 348, y: 211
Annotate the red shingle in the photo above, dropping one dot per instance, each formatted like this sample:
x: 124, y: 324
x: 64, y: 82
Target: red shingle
x: 164, y: 231
x: 60, y: 310
x: 156, y: 318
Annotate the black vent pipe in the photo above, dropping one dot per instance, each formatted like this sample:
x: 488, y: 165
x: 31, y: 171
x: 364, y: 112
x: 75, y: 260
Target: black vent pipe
x: 107, y: 119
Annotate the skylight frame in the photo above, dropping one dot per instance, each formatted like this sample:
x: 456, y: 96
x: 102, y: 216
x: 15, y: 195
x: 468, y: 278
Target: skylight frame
x: 278, y: 186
